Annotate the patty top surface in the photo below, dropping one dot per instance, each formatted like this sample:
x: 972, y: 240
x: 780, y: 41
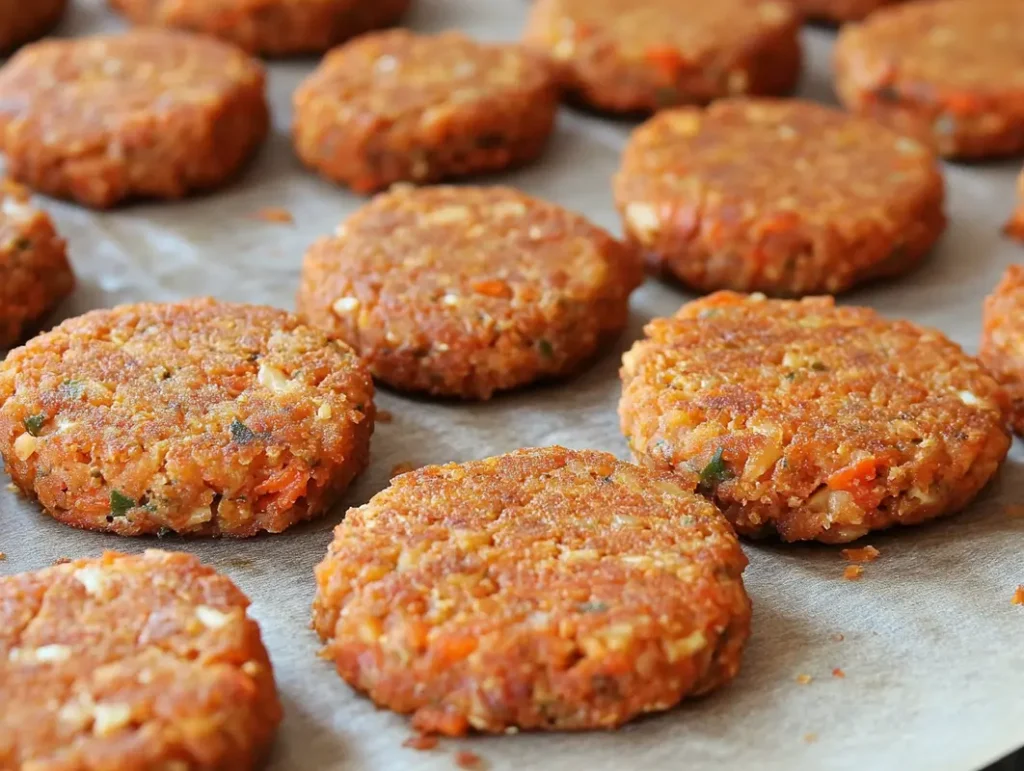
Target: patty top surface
x: 131, y: 662
x: 801, y: 161
x: 397, y: 73
x: 1003, y: 342
x: 76, y: 92
x: 930, y: 49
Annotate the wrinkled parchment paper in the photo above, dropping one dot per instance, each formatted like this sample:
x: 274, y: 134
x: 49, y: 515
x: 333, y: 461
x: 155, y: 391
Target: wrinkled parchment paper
x: 932, y: 649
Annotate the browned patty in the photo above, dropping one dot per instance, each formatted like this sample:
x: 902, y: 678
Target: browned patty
x: 1002, y: 341
x: 947, y: 71
x: 395, y: 106
x: 150, y: 114
x: 642, y: 55
x: 781, y: 197
x: 839, y: 11
x: 1015, y: 225
x: 199, y: 417
x: 22, y: 22
x: 34, y: 270
x: 134, y: 663
x: 810, y: 420
x: 544, y: 589
x: 271, y: 27
x: 462, y: 291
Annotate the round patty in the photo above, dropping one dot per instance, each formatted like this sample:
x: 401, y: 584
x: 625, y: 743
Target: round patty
x: 948, y: 71
x: 1002, y: 341
x: 199, y: 417
x: 839, y: 11
x: 812, y: 421
x: 22, y: 22
x: 131, y: 662
x: 34, y: 270
x: 782, y: 197
x: 543, y: 589
x: 641, y: 55
x: 395, y: 106
x: 463, y: 291
x: 271, y: 27
x: 1015, y: 227
x: 150, y: 114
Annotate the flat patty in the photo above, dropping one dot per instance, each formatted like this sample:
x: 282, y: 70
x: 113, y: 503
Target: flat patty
x: 395, y: 106
x: 463, y: 291
x: 1002, y: 340
x: 34, y: 271
x: 270, y: 27
x: 948, y: 72
x: 642, y: 55
x: 839, y: 11
x: 131, y: 662
x: 543, y: 589
x: 782, y: 197
x: 810, y: 420
x: 199, y: 417
x: 149, y: 113
x: 22, y: 22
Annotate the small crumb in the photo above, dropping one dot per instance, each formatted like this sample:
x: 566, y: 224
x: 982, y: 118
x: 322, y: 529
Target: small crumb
x: 864, y: 554
x: 468, y: 760
x: 62, y: 561
x: 804, y: 679
x: 837, y: 672
x: 1018, y: 596
x: 275, y: 214
x: 421, y: 742
x: 11, y: 487
x: 838, y: 637
x: 384, y: 416
x: 2, y: 556
x: 402, y: 468
x: 853, y: 572
x: 810, y: 738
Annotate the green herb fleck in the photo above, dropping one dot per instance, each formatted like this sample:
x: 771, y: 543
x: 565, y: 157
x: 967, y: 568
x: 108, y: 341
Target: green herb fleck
x: 714, y: 473
x: 120, y: 504
x: 71, y: 389
x: 34, y: 424
x: 593, y: 606
x: 545, y: 349
x: 241, y: 433
x: 818, y: 366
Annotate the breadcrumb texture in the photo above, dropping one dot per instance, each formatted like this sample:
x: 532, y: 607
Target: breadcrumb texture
x: 149, y: 113
x: 34, y: 271
x: 839, y: 11
x: 200, y: 417
x: 543, y: 589
x: 464, y: 291
x: 810, y: 420
x: 269, y: 27
x: 22, y: 22
x: 642, y: 55
x: 731, y: 197
x: 1002, y: 339
x: 948, y: 72
x: 395, y: 106
x: 132, y: 663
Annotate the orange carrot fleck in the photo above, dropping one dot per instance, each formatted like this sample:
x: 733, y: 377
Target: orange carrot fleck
x: 493, y: 288
x: 863, y: 554
x: 275, y: 214
x: 837, y: 672
x: 853, y: 572
x: 420, y: 742
x: 1018, y: 596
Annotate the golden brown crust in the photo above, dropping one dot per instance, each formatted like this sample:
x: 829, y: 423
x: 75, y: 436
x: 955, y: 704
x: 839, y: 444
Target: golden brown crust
x: 1002, y: 340
x: 641, y: 55
x: 132, y: 662
x: 731, y: 197
x: 394, y: 106
x: 543, y: 589
x: 22, y: 22
x: 149, y: 113
x: 838, y: 11
x: 201, y: 417
x: 464, y: 291
x: 948, y: 72
x: 810, y: 420
x: 34, y: 271
x: 269, y: 27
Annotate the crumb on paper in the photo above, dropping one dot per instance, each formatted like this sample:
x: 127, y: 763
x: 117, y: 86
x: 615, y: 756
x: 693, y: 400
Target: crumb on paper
x: 2, y: 556
x: 402, y: 468
x: 837, y: 672
x: 384, y: 416
x: 420, y: 742
x: 838, y: 637
x: 853, y: 572
x: 1018, y: 596
x: 810, y: 738
x: 275, y: 214
x: 11, y: 487
x: 62, y: 561
x: 468, y: 760
x: 863, y: 554
x: 804, y: 679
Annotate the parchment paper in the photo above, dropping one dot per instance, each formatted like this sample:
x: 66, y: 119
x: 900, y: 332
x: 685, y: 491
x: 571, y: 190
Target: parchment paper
x: 931, y: 644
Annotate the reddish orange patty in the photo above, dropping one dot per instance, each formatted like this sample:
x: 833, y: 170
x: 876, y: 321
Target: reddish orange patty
x: 22, y: 22
x: 1002, y: 341
x: 199, y: 417
x: 132, y: 663
x: 544, y: 589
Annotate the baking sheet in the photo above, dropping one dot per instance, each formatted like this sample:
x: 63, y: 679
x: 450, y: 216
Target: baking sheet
x: 931, y: 643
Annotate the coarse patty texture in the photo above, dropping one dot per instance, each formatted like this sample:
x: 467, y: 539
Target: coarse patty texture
x: 22, y: 22
x: 839, y: 11
x: 1002, y: 341
x: 146, y: 114
x: 780, y: 197
x: 809, y: 420
x: 947, y: 71
x: 34, y: 271
x: 198, y: 417
x: 396, y: 106
x: 630, y: 56
x: 464, y: 291
x: 269, y: 27
x: 133, y: 663
x: 544, y: 589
